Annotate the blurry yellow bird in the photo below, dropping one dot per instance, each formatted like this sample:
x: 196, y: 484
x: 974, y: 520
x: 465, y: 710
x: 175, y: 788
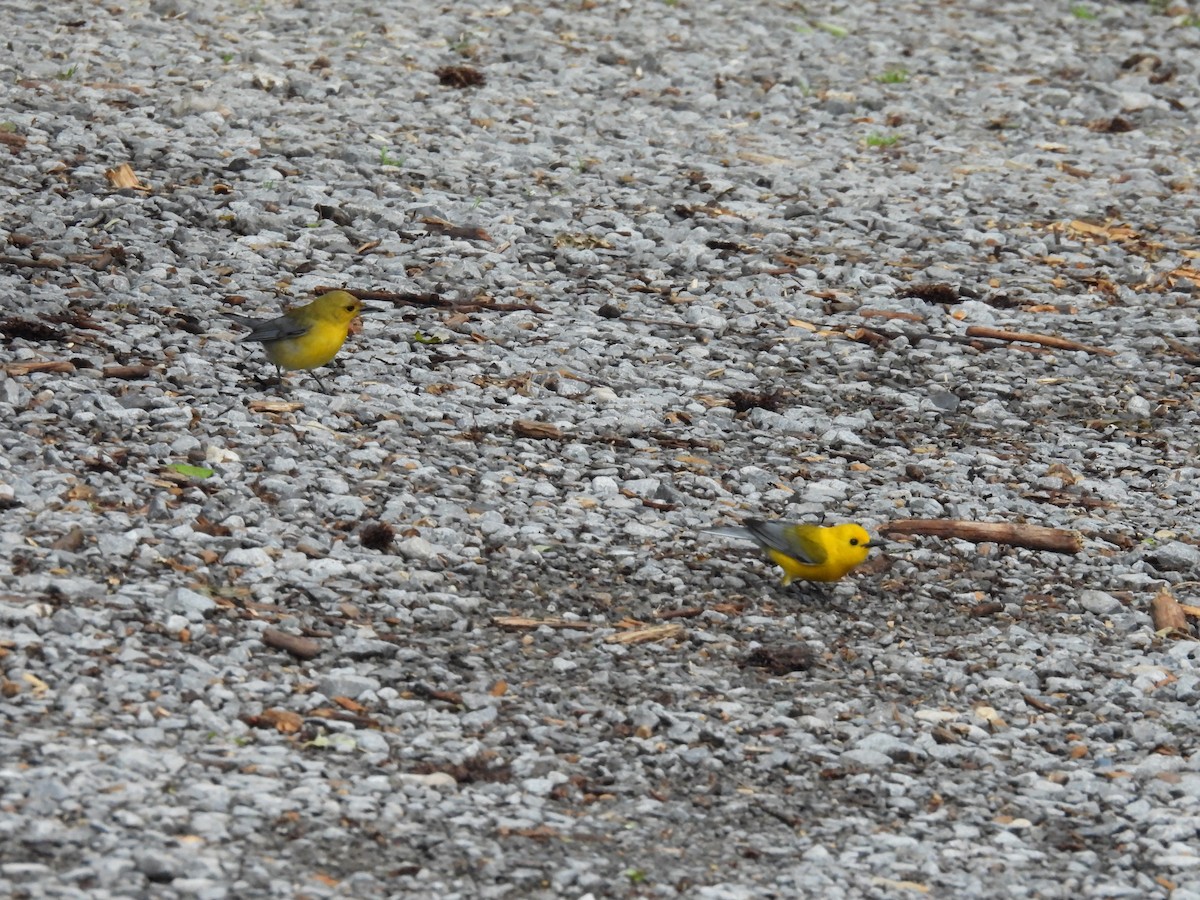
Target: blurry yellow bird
x: 807, y: 552
x: 308, y: 336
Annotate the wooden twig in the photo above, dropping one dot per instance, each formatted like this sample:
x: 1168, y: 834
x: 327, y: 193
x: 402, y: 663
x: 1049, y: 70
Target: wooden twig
x: 1039, y: 705
x: 687, y: 612
x: 1167, y: 614
x: 874, y: 335
x: 1045, y: 340
x: 40, y: 263
x: 430, y: 300
x: 646, y: 501
x: 1185, y: 352
x: 425, y: 692
x: 526, y: 622
x: 1032, y: 537
x: 399, y: 298
x: 55, y: 365
x: 434, y: 225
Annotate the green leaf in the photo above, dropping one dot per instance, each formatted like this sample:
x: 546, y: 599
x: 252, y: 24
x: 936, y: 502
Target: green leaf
x: 421, y: 338
x: 191, y: 471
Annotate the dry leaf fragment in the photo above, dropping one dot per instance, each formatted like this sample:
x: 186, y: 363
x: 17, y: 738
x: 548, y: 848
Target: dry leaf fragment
x: 989, y: 715
x: 282, y: 720
x: 348, y: 704
x: 123, y: 176
x: 1108, y: 232
x: 1186, y: 273
x: 460, y: 76
x: 39, y: 687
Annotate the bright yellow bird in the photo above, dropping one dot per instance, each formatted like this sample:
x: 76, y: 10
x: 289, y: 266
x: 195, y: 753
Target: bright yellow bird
x: 807, y: 552
x: 308, y: 336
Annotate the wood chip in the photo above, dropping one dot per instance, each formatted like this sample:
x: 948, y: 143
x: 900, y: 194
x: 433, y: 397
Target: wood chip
x: 71, y: 541
x: 991, y: 608
x: 893, y: 885
x: 299, y: 647
x: 129, y: 373
x: 274, y: 406
x: 282, y: 720
x: 538, y: 430
x: 349, y: 703
x: 647, y: 634
x: 1168, y: 615
x: 890, y: 314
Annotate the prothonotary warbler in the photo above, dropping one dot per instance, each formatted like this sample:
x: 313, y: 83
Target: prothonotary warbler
x: 807, y: 552
x: 308, y: 336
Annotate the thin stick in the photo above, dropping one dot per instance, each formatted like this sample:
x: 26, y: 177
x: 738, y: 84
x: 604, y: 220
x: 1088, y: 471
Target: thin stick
x: 1032, y: 537
x: 1046, y: 340
x: 432, y: 300
x: 527, y: 622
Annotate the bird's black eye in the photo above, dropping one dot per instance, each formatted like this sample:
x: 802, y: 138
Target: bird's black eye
x: 853, y: 542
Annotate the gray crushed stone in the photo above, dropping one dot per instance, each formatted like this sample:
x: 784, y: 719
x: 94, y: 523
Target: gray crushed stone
x: 684, y: 252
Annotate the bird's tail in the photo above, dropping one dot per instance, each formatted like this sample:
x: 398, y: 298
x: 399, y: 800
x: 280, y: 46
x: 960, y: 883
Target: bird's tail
x: 732, y: 531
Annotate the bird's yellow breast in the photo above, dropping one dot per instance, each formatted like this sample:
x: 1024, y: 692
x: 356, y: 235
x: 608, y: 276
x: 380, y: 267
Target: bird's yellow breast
x: 314, y: 348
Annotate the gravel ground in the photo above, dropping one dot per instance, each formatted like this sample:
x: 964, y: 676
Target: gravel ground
x: 450, y: 627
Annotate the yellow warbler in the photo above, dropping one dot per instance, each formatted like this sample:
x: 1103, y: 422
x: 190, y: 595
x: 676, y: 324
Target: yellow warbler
x: 307, y: 336
x: 807, y: 552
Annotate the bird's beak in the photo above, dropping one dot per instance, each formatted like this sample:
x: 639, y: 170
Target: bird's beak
x: 877, y: 543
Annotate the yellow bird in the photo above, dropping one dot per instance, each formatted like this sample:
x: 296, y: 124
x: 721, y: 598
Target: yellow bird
x: 807, y: 552
x: 308, y: 336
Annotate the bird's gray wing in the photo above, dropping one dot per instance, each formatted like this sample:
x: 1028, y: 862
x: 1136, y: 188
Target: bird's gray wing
x: 268, y: 330
x: 785, y: 538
